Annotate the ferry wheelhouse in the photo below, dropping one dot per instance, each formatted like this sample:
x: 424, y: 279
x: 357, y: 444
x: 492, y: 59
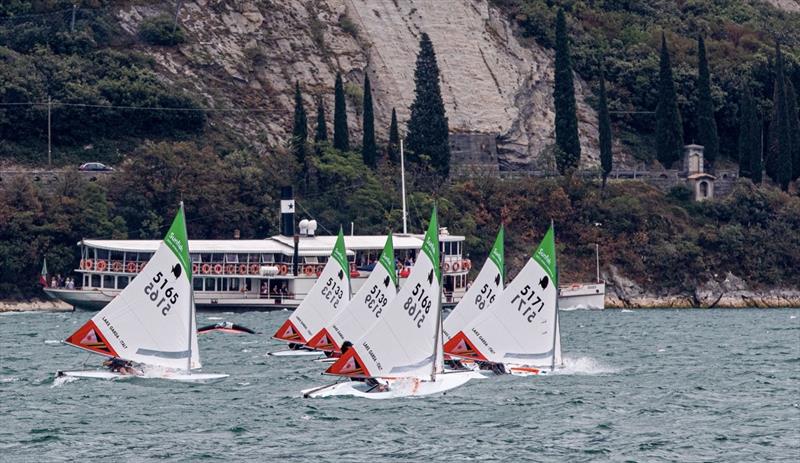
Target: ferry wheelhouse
x: 264, y: 274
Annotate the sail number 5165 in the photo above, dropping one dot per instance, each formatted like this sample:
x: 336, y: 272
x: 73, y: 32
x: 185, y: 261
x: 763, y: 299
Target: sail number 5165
x: 169, y: 295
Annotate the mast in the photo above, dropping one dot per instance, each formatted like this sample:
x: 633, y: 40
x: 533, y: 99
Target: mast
x: 558, y: 291
x: 597, y: 262
x: 191, y: 307
x: 403, y: 185
x: 437, y: 332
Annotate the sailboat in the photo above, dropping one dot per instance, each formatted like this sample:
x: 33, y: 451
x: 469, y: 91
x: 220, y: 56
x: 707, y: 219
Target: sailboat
x: 366, y: 307
x: 521, y: 329
x: 329, y: 295
x: 401, y: 355
x: 483, y: 292
x: 152, y: 321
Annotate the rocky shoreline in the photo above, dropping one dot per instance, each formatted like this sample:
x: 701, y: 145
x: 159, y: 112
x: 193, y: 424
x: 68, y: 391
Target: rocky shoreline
x: 35, y: 305
x: 731, y: 292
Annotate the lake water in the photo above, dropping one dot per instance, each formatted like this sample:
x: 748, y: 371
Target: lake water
x: 645, y: 385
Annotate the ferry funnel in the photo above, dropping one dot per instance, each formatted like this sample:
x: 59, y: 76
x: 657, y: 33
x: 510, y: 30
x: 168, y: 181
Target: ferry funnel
x: 287, y: 211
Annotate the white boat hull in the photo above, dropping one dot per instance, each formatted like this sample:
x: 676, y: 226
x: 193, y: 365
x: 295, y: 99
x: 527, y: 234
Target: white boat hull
x: 397, y: 388
x: 110, y: 375
x: 578, y: 296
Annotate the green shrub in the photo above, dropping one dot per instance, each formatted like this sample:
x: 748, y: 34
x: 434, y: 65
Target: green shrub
x: 161, y: 30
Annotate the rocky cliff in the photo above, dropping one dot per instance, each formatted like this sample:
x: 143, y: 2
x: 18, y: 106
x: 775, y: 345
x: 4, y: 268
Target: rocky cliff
x: 248, y: 54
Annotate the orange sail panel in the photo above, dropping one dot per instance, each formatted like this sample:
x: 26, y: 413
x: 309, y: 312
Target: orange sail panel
x: 90, y: 338
x: 349, y: 364
x: 323, y: 341
x: 460, y: 346
x: 288, y: 332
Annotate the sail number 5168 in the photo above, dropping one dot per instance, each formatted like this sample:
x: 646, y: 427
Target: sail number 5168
x: 418, y: 305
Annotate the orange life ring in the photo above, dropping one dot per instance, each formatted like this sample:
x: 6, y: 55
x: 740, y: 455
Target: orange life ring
x: 130, y: 267
x: 284, y: 269
x: 230, y: 269
x: 254, y: 269
x: 195, y: 267
x: 456, y: 266
x: 87, y: 264
x: 206, y: 268
x: 320, y: 268
x: 446, y: 267
x: 116, y: 266
x: 80, y: 265
x: 101, y: 265
x: 242, y: 269
x: 308, y: 270
x: 467, y: 264
x: 218, y: 268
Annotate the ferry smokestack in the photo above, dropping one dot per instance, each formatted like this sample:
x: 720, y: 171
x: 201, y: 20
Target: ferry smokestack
x: 287, y: 211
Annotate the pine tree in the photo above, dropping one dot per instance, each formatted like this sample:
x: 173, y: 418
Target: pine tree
x: 369, y: 151
x: 321, y: 133
x: 393, y: 150
x: 779, y: 161
x: 427, y: 128
x: 669, y: 128
x: 706, y: 124
x: 567, y: 140
x: 341, y: 139
x: 750, y: 164
x: 606, y: 158
x: 300, y: 128
x: 794, y: 128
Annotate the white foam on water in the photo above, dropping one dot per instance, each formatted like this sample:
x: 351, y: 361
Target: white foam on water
x: 626, y: 311
x: 792, y: 317
x: 584, y: 366
x: 52, y: 341
x: 213, y: 318
x: 662, y: 350
x: 62, y: 380
x: 9, y: 379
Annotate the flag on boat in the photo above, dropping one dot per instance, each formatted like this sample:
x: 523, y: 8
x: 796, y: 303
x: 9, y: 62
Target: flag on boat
x: 366, y: 307
x: 521, y: 328
x: 152, y: 320
x: 328, y: 296
x: 481, y: 294
x: 43, y: 275
x: 406, y: 340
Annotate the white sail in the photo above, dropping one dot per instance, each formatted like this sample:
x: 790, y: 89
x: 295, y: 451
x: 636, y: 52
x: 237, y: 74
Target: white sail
x: 521, y: 328
x: 152, y: 320
x: 329, y: 295
x: 366, y: 307
x: 481, y: 295
x: 403, y: 343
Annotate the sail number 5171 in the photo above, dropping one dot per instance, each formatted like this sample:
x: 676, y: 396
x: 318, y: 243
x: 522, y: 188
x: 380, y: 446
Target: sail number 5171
x: 526, y: 304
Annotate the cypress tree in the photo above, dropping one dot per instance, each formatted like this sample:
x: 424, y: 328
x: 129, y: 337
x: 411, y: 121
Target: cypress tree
x: 428, y: 128
x: 300, y: 128
x: 369, y: 151
x: 341, y: 139
x: 322, y: 127
x: 794, y: 128
x: 669, y: 128
x: 706, y: 125
x: 606, y: 159
x: 779, y: 161
x: 393, y: 150
x: 569, y: 152
x: 750, y: 164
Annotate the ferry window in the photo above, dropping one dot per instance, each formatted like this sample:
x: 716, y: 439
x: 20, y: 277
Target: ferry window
x: 86, y: 281
x: 211, y: 284
x: 232, y: 258
x: 223, y: 285
x: 267, y: 258
x: 245, y: 258
x: 195, y: 258
x: 197, y: 284
x: 108, y: 281
x: 122, y: 282
x: 95, y: 280
x: 234, y: 284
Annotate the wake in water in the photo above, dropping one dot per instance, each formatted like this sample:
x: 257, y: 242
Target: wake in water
x: 62, y: 380
x: 584, y: 366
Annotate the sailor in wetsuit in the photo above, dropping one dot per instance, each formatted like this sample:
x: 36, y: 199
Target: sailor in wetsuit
x: 120, y: 366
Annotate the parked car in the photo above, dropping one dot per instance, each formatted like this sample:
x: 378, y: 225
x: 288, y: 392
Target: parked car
x: 95, y: 167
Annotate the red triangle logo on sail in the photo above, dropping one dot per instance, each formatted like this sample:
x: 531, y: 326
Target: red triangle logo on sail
x: 288, y: 332
x: 323, y: 341
x: 90, y: 338
x: 460, y: 346
x: 349, y: 364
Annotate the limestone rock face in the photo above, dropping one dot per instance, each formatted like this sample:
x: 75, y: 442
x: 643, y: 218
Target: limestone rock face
x: 792, y: 6
x: 249, y: 53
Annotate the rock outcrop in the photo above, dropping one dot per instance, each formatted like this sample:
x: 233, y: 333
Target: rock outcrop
x: 248, y: 54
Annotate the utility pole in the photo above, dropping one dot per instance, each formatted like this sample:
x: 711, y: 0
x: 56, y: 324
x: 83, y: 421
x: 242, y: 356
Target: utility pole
x: 72, y: 23
x: 49, y: 133
x: 177, y: 11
